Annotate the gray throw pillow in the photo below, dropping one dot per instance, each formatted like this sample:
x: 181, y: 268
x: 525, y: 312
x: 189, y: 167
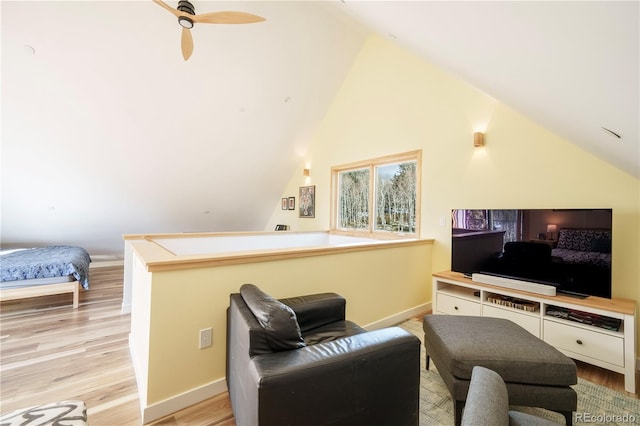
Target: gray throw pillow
x: 278, y: 320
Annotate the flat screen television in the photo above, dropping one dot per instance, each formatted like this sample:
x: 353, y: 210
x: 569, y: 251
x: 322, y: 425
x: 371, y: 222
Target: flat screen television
x: 569, y: 249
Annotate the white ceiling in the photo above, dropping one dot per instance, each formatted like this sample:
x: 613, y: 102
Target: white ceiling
x: 572, y: 66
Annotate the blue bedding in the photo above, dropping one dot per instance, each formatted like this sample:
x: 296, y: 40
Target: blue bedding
x: 46, y: 262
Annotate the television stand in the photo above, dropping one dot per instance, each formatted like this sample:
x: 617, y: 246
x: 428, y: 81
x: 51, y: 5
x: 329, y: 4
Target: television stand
x: 594, y: 330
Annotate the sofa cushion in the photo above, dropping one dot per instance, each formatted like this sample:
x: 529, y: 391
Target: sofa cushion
x: 517, y: 418
x: 278, y: 321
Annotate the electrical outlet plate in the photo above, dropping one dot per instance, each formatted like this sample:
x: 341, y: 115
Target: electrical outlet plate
x: 206, y: 337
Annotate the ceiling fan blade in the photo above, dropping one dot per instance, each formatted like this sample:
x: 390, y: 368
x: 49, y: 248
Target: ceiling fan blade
x: 187, y: 43
x: 227, y: 18
x: 169, y: 8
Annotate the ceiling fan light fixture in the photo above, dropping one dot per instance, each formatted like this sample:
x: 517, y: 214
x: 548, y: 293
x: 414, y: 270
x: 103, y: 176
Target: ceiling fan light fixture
x: 186, y: 7
x: 187, y: 18
x: 185, y: 22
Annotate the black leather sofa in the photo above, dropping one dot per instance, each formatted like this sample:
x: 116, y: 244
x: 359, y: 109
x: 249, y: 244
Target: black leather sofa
x: 298, y: 361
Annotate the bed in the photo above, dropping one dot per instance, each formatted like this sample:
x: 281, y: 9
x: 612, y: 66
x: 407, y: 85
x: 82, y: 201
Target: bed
x: 43, y: 271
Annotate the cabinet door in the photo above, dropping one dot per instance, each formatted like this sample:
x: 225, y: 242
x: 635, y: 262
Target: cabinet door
x: 587, y: 343
x: 528, y: 322
x: 451, y: 305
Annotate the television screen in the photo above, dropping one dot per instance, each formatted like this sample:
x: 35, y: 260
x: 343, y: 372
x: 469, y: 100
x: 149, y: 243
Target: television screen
x: 569, y: 249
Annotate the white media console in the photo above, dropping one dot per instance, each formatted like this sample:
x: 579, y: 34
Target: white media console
x: 594, y: 330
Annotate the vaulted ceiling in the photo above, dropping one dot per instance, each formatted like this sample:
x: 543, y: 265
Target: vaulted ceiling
x: 107, y: 130
x: 572, y: 66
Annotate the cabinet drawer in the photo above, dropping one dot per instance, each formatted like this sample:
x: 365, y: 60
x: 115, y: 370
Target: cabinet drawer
x: 588, y: 343
x: 447, y: 304
x: 528, y: 322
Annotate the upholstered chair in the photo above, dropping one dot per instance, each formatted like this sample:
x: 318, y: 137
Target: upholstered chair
x: 298, y: 361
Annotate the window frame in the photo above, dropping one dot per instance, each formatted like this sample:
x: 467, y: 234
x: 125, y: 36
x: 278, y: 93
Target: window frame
x: 371, y: 164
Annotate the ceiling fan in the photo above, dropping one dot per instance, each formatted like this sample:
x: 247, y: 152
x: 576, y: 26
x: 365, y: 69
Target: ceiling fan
x: 187, y: 18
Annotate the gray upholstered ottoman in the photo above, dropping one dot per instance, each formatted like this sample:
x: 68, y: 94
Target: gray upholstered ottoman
x: 536, y: 374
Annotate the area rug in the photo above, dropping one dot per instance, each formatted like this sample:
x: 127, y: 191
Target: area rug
x: 596, y: 404
x: 62, y: 413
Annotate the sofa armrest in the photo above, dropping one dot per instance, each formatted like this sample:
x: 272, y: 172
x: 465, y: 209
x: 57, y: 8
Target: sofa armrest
x: 374, y: 374
x: 487, y: 399
x: 316, y: 310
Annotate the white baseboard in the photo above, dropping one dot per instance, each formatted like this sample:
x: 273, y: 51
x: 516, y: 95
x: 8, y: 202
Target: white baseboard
x: 396, y: 319
x: 160, y: 409
x: 125, y: 309
x: 105, y: 263
x: 140, y: 382
x: 183, y: 400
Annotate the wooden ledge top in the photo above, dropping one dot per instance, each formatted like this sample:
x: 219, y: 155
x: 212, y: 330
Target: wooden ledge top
x: 157, y: 258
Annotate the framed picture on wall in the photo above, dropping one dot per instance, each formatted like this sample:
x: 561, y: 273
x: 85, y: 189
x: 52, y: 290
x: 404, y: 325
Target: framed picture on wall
x: 308, y: 201
x: 285, y: 204
x: 292, y: 203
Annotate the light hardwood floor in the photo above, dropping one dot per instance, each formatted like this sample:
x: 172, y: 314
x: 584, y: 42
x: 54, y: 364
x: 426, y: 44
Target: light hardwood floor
x: 51, y: 352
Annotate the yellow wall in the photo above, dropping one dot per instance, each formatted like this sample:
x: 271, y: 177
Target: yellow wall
x: 392, y: 102
x: 182, y: 302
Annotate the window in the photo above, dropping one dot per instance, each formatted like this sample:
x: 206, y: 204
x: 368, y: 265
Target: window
x: 377, y: 196
x: 353, y: 203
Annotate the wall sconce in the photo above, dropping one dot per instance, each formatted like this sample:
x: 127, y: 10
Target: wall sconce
x: 478, y: 139
x: 306, y: 172
x: 551, y: 229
